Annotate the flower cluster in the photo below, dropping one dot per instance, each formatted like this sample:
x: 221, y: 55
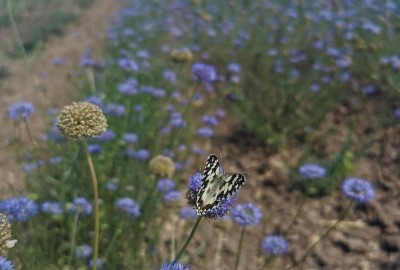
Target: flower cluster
x: 246, y: 214
x: 129, y: 206
x: 275, y: 244
x: 312, y: 171
x: 162, y: 166
x: 19, y: 208
x: 358, y: 190
x: 20, y: 110
x: 82, y: 120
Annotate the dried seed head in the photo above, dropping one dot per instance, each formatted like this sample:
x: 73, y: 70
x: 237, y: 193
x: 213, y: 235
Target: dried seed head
x: 162, y: 166
x: 5, y: 234
x: 181, y: 55
x: 82, y: 120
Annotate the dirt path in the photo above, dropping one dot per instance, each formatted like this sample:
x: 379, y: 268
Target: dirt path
x: 52, y: 81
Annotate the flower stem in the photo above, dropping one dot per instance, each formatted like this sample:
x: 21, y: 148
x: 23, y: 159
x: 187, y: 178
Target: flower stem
x: 323, y: 236
x: 73, y: 236
x: 299, y: 209
x: 95, y: 206
x: 268, y: 262
x: 240, y: 247
x: 189, y: 238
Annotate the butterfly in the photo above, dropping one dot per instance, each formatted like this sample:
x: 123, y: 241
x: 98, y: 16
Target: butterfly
x: 216, y: 186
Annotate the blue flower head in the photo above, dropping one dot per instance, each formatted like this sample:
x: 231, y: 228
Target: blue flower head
x: 20, y: 110
x: 94, y: 149
x: 172, y: 196
x: 18, y: 208
x: 6, y: 264
x: 246, y: 214
x: 187, y: 213
x: 357, y: 189
x: 312, y: 171
x: 205, y: 132
x: 81, y: 206
x: 275, y: 244
x: 222, y: 208
x: 83, y: 251
x: 106, y: 136
x: 204, y: 72
x: 129, y: 206
x: 174, y: 266
x: 99, y: 263
x: 142, y: 154
x: 53, y: 208
x: 165, y: 185
x: 195, y: 182
x: 130, y: 138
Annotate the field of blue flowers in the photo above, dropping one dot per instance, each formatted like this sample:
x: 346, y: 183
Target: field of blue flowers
x: 216, y: 135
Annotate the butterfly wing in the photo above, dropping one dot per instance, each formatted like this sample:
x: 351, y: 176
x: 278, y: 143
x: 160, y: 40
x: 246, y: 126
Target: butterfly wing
x: 216, y: 186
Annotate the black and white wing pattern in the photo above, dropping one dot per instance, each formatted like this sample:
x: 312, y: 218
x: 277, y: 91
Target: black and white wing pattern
x: 216, y: 186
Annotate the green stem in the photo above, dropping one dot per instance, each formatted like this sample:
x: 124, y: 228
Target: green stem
x: 240, y: 247
x: 299, y: 209
x: 73, y: 236
x: 323, y: 236
x: 268, y: 262
x: 189, y: 238
x: 95, y: 206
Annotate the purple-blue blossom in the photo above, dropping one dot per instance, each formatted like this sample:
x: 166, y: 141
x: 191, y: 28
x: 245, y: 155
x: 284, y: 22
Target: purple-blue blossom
x: 357, y: 189
x: 53, y: 208
x: 129, y: 206
x: 247, y: 214
x: 80, y: 206
x: 20, y: 110
x: 312, y: 171
x: 18, y: 208
x: 275, y: 244
x: 204, y: 72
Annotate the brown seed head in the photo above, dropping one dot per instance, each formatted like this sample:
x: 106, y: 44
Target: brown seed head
x: 82, y: 120
x: 162, y: 166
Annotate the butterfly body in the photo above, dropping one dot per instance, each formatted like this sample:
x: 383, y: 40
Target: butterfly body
x: 216, y: 186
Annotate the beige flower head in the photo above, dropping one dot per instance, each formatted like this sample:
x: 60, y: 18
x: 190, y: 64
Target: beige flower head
x: 82, y: 120
x: 162, y: 166
x: 181, y: 55
x: 5, y: 234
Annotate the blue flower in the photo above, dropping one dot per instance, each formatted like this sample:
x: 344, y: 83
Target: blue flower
x: 187, y: 213
x: 99, y: 263
x: 96, y: 100
x: 205, y: 132
x: 169, y: 75
x: 246, y: 214
x: 129, y: 206
x: 128, y: 87
x: 142, y: 154
x: 20, y: 110
x: 53, y: 208
x: 275, y: 244
x: 312, y: 171
x: 234, y: 68
x: 6, y: 264
x: 172, y: 196
x: 130, y: 138
x: 222, y: 208
x: 209, y: 120
x: 83, y: 251
x: 368, y: 89
x: 357, y: 189
x: 94, y: 149
x: 128, y: 64
x: 397, y: 113
x: 18, y: 208
x: 112, y: 184
x: 174, y: 266
x: 195, y: 182
x: 165, y: 185
x: 55, y: 160
x: 81, y: 206
x: 114, y: 109
x: 106, y: 136
x: 204, y: 72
